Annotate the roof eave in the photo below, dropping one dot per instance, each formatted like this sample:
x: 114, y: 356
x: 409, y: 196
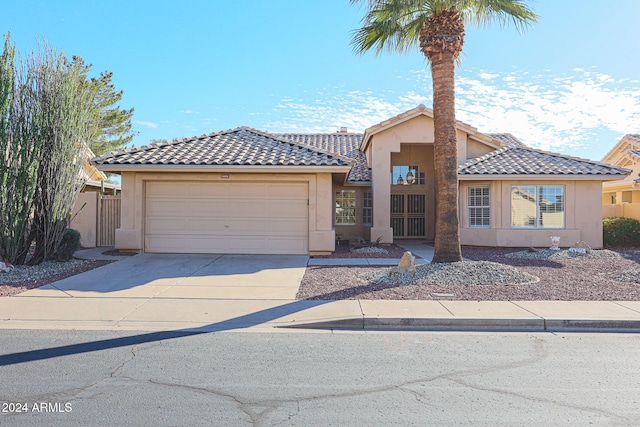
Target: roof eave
x: 524, y: 177
x: 223, y: 168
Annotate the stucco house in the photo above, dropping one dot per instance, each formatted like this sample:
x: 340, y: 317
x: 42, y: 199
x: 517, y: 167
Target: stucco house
x: 249, y: 191
x: 622, y: 198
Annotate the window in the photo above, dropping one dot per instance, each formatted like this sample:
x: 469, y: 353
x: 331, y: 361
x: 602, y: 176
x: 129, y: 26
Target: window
x: 367, y: 208
x: 406, y: 175
x: 345, y: 207
x: 478, y: 204
x: 537, y: 206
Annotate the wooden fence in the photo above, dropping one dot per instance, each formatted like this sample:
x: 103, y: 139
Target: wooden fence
x: 108, y: 219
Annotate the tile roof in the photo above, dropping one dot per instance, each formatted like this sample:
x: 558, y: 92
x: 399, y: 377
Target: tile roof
x: 239, y: 146
x: 635, y: 137
x: 247, y: 146
x: 507, y: 140
x: 635, y: 154
x: 343, y: 144
x: 527, y: 161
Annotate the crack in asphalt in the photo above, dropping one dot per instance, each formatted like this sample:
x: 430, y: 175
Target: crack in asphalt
x: 260, y: 410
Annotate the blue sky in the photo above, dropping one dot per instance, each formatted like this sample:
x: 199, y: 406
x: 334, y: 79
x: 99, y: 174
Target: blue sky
x: 570, y: 84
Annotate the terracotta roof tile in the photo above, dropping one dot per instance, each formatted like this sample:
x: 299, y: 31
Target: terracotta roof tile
x: 239, y: 146
x: 527, y: 161
x: 343, y: 144
x: 507, y: 140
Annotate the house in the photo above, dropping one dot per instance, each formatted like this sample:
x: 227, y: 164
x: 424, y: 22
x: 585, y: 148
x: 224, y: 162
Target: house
x: 249, y: 191
x: 89, y: 215
x: 622, y: 198
x: 94, y: 179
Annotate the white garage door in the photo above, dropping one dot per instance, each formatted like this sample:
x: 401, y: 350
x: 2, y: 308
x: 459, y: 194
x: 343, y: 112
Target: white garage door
x: 227, y: 217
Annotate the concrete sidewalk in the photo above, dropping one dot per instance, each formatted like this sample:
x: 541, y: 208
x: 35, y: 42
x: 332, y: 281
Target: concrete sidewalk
x: 160, y: 313
x: 150, y: 292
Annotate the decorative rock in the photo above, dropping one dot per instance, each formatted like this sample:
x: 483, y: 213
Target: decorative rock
x: 5, y: 267
x: 407, y: 264
x: 580, y: 248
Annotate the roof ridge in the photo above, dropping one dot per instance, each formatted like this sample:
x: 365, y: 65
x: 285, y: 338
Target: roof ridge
x: 307, y: 147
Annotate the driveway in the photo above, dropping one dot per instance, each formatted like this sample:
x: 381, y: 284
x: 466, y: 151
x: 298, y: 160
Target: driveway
x: 186, y: 276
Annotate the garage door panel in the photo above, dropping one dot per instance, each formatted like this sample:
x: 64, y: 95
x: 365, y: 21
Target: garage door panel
x: 287, y: 227
x: 166, y: 207
x: 223, y: 217
x: 290, y: 209
x: 244, y: 190
x: 206, y: 189
x: 247, y: 208
x: 285, y: 191
x: 206, y: 226
x: 160, y: 189
x: 205, y: 208
x: 166, y: 226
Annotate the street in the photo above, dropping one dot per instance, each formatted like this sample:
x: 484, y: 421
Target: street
x: 238, y: 378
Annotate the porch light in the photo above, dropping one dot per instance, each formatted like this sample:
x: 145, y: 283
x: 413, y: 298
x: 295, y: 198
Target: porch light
x: 410, y: 178
x: 400, y: 180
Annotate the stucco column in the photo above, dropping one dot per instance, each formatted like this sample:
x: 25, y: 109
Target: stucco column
x: 381, y: 167
x: 322, y: 236
x: 129, y: 235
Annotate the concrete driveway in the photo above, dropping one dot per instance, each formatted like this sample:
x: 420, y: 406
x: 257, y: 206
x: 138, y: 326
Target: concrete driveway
x: 188, y: 276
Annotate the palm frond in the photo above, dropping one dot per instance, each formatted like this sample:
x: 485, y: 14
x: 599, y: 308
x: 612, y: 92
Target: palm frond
x: 394, y: 25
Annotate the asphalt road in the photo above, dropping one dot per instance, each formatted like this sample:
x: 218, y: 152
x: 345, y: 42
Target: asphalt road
x: 97, y: 378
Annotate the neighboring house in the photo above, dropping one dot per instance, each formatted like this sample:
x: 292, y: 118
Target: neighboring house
x: 94, y: 179
x: 248, y: 191
x: 88, y: 215
x: 622, y: 198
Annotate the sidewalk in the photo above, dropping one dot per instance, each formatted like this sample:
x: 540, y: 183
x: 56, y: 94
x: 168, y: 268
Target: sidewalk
x: 166, y: 304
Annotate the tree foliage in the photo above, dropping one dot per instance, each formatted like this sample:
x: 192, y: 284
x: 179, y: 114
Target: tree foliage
x: 113, y: 130
x: 49, y: 112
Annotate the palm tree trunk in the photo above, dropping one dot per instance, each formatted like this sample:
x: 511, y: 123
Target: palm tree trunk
x: 447, y: 238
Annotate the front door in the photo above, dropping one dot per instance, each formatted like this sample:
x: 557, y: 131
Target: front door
x: 408, y: 215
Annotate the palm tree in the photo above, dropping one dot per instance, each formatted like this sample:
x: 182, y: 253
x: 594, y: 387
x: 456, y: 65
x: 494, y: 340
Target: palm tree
x: 436, y: 27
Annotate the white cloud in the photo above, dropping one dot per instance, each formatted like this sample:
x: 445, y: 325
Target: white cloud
x: 147, y: 124
x: 189, y: 112
x: 544, y: 110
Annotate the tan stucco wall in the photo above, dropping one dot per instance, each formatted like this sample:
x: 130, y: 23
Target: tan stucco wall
x: 85, y: 218
x: 397, y: 144
x: 477, y: 149
x: 583, y: 217
x: 321, y: 232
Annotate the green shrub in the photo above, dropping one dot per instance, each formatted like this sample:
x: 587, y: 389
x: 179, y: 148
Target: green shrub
x: 69, y: 244
x: 621, y: 232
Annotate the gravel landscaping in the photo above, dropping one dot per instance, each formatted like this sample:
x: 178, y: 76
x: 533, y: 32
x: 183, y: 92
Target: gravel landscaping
x: 501, y: 275
x: 383, y: 251
x: 493, y: 275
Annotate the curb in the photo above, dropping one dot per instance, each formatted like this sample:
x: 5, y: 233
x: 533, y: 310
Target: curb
x: 536, y: 324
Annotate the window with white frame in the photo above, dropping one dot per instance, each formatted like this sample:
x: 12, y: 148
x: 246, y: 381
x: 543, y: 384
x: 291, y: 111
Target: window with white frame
x: 367, y: 208
x: 537, y: 206
x: 478, y: 205
x: 346, y: 207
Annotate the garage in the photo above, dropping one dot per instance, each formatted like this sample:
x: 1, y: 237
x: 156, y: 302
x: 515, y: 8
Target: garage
x: 226, y: 217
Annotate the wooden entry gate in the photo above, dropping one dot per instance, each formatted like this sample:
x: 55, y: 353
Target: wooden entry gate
x: 108, y: 219
x: 408, y: 215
